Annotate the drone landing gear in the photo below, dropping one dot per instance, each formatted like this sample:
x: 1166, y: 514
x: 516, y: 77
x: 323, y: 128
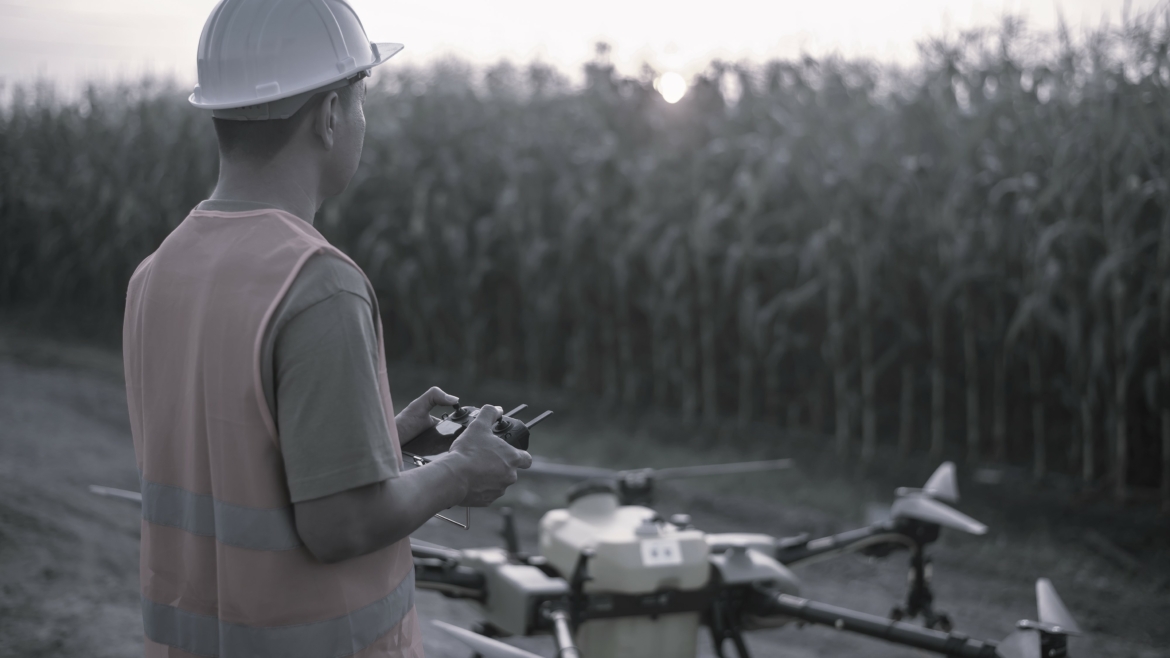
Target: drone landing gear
x: 718, y: 637
x: 724, y: 625
x: 920, y: 599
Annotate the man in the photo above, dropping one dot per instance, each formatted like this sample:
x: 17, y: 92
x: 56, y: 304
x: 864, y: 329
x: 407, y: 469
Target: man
x: 275, y: 514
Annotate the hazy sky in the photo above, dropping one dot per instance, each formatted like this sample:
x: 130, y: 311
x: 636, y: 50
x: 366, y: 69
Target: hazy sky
x: 70, y: 40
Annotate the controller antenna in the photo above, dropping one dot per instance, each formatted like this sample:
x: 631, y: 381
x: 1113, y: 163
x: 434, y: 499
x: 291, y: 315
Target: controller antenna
x: 539, y: 418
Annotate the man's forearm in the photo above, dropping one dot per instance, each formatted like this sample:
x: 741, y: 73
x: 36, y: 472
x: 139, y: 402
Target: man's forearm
x: 362, y: 520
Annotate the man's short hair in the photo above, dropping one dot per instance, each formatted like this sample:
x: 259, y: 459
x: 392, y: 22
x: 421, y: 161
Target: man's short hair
x: 260, y: 141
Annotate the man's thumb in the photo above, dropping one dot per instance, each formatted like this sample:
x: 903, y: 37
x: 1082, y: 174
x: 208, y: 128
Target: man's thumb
x: 437, y: 396
x: 489, y: 414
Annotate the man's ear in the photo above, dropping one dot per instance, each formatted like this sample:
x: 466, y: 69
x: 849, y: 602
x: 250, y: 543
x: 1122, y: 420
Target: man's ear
x: 326, y: 119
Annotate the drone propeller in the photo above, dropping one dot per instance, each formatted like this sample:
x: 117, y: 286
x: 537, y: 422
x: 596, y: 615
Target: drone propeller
x: 1024, y: 643
x: 132, y: 496
x: 484, y: 646
x: 722, y: 469
x: 542, y: 467
x: 636, y: 486
x: 924, y: 504
x: 921, y: 507
x: 1052, y: 610
x: 1032, y: 639
x: 942, y: 485
x: 426, y: 549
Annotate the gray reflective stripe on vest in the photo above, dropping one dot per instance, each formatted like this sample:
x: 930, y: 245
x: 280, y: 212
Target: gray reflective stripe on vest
x: 235, y: 525
x: 333, y: 638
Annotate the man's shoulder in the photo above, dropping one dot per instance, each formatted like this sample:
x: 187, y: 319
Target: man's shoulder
x: 326, y: 274
x: 335, y: 270
x: 142, y: 266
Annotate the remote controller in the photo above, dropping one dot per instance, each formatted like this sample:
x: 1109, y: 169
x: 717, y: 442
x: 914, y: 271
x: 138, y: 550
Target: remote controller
x: 438, y: 439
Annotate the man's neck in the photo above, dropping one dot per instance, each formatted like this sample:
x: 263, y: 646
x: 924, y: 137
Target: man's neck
x: 277, y: 183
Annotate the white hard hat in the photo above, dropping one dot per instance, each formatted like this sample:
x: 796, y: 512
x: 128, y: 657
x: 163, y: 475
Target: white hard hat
x: 262, y: 59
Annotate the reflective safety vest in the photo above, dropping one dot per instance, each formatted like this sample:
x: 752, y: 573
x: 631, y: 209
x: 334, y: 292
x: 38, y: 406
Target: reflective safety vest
x: 223, y: 571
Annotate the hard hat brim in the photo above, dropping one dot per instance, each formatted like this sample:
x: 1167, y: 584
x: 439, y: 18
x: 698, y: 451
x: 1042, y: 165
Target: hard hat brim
x: 382, y: 52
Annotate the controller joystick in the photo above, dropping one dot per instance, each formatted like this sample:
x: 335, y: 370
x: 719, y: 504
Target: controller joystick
x: 512, y: 431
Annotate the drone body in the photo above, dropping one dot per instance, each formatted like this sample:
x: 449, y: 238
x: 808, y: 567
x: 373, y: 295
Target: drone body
x: 649, y: 586
x: 616, y: 580
x: 634, y: 554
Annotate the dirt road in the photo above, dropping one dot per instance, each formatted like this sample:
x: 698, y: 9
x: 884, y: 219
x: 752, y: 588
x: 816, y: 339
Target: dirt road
x: 68, y: 559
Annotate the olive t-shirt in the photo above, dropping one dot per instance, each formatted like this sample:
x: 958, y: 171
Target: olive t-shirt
x: 318, y: 368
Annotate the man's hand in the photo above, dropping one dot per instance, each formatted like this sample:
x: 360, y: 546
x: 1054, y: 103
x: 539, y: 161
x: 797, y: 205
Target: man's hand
x: 416, y: 417
x: 477, y: 470
x: 488, y: 464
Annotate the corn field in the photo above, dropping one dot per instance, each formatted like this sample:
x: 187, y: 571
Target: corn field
x: 969, y: 257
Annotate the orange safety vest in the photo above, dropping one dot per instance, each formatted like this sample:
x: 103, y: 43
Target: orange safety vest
x: 224, y: 573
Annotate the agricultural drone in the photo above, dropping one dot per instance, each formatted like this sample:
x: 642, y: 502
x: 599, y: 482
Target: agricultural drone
x: 614, y: 579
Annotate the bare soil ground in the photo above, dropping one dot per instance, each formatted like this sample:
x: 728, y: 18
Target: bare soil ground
x: 68, y: 559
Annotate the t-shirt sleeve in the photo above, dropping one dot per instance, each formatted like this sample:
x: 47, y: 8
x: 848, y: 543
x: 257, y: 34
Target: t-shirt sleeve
x: 333, y: 432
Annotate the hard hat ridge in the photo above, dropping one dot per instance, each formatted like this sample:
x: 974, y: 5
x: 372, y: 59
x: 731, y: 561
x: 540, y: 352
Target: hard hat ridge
x: 262, y: 59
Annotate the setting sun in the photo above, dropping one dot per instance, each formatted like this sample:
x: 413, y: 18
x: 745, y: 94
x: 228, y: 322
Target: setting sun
x: 671, y: 85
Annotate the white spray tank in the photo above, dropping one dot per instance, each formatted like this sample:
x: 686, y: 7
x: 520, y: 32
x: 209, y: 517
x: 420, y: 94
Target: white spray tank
x: 632, y: 554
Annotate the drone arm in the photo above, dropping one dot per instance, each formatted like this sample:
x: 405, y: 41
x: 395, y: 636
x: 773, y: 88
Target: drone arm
x: 562, y: 632
x: 845, y: 542
x: 456, y: 582
x: 947, y: 644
